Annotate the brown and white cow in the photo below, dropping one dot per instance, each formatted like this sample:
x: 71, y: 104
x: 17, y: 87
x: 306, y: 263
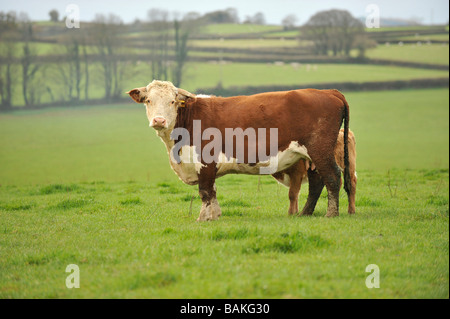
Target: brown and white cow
x: 306, y: 124
x: 294, y: 176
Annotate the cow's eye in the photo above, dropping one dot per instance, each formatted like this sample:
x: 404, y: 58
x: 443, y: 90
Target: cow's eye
x: 172, y: 102
x: 147, y: 101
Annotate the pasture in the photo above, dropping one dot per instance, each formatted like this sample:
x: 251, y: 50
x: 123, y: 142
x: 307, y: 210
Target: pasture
x: 92, y: 186
x: 207, y: 75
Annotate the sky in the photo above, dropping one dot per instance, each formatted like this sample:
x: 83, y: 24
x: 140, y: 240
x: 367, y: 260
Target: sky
x: 424, y: 11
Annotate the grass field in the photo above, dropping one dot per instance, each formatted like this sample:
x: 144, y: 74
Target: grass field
x: 431, y: 54
x: 206, y: 75
x: 246, y: 43
x: 138, y: 240
x: 229, y: 28
x: 241, y: 74
x: 92, y: 186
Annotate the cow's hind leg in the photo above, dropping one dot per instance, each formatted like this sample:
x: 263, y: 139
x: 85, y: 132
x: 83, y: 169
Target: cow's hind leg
x: 315, y: 189
x: 210, y: 209
x: 331, y: 176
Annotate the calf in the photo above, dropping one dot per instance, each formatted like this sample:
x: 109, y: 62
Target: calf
x: 297, y: 174
x: 291, y: 126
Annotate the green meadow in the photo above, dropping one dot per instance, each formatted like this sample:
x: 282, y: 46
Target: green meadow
x: 424, y: 53
x: 210, y: 74
x: 92, y: 186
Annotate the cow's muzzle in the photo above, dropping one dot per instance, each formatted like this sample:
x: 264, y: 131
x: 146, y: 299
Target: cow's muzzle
x: 158, y: 123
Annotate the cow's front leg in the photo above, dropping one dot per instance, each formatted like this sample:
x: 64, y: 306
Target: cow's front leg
x: 207, y: 189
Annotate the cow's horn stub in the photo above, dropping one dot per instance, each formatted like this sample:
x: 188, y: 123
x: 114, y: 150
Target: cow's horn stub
x: 185, y: 93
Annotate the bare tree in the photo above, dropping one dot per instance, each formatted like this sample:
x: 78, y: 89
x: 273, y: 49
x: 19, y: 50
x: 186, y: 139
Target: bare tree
x: 30, y: 87
x: 159, y: 43
x: 69, y: 73
x: 181, y: 39
x: 105, y: 38
x: 8, y: 52
x: 333, y: 30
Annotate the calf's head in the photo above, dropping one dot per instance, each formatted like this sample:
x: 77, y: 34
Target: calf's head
x: 162, y: 100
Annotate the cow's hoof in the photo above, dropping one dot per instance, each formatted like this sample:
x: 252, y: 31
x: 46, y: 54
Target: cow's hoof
x: 332, y: 214
x: 210, y: 212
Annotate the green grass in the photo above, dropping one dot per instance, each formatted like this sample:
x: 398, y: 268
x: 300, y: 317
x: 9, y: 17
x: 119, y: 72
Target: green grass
x: 205, y: 75
x: 229, y: 28
x: 245, y: 43
x: 426, y: 37
x: 153, y: 248
x: 92, y: 186
x: 202, y: 75
x: 430, y: 54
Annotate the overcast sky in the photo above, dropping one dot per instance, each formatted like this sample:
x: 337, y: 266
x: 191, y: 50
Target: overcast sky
x: 425, y: 11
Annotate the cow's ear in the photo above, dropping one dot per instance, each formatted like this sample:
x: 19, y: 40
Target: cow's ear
x: 138, y: 94
x: 184, y: 97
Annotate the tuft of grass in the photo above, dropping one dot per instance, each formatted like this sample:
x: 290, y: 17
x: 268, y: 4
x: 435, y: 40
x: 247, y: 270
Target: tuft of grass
x: 437, y: 200
x: 288, y: 243
x: 58, y: 188
x: 166, y: 188
x: 188, y: 198
x: 131, y: 201
x: 15, y: 206
x: 145, y: 281
x: 73, y: 203
x: 368, y: 202
x: 234, y: 234
x: 235, y: 203
x: 233, y: 212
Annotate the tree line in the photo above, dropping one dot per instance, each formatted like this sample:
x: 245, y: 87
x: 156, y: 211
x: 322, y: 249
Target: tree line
x: 98, y: 45
x: 99, y: 52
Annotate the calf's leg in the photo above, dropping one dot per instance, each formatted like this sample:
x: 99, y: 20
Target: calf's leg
x: 295, y: 173
x: 351, y: 196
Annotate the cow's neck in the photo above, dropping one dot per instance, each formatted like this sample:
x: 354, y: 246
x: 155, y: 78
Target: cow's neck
x: 165, y: 137
x: 185, y: 116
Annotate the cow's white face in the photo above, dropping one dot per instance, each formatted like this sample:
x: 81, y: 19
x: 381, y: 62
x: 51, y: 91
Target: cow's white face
x: 161, y: 100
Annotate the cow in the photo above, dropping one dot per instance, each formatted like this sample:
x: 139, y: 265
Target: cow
x: 300, y: 124
x: 294, y: 176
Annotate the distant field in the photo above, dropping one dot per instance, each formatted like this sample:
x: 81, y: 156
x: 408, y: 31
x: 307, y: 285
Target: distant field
x: 205, y: 75
x: 227, y: 29
x: 407, y: 28
x: 245, y: 43
x: 427, y: 37
x: 239, y: 74
x: 431, y: 54
x: 394, y: 129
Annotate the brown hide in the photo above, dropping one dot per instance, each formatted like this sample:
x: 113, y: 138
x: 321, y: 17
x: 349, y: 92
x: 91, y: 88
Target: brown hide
x: 310, y: 117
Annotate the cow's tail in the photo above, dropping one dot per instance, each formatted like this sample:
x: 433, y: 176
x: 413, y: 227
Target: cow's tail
x: 347, y: 177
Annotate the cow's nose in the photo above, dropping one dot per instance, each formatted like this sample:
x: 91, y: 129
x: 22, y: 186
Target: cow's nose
x: 159, y: 122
